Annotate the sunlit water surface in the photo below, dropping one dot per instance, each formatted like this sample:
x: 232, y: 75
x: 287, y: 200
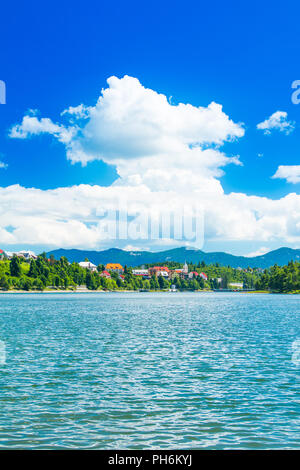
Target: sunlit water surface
x: 131, y: 371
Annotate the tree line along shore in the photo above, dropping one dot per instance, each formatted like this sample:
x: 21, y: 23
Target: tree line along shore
x: 45, y: 273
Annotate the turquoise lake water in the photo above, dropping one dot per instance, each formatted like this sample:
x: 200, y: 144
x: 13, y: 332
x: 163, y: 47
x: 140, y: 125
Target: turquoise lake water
x: 140, y: 371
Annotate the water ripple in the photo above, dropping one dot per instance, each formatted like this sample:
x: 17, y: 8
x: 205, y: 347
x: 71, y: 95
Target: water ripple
x: 107, y: 371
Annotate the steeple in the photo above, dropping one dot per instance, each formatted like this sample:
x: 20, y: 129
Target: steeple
x: 185, y: 268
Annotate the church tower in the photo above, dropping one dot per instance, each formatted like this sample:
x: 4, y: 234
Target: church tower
x: 185, y: 268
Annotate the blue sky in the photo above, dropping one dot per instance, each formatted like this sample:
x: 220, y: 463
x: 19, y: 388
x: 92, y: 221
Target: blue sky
x: 243, y: 55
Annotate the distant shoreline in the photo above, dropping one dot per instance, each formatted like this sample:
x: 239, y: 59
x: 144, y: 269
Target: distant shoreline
x: 81, y: 291
x: 87, y: 291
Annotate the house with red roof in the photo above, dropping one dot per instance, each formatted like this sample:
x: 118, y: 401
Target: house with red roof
x: 105, y: 274
x: 159, y: 271
x: 193, y: 274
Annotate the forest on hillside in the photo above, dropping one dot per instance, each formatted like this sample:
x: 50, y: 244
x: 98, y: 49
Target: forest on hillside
x: 44, y: 273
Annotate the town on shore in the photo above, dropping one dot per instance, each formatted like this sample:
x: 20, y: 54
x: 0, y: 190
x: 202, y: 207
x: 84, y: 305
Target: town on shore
x: 26, y: 271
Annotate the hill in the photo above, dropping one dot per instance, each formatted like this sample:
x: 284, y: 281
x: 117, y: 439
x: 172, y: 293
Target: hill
x: 135, y: 258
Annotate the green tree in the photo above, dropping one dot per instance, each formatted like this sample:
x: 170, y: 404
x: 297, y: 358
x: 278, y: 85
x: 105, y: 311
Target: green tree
x: 90, y: 281
x: 33, y: 270
x: 15, y: 267
x: 4, y: 284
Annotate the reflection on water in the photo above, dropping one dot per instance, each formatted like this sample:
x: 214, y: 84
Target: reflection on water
x: 296, y: 352
x: 148, y: 370
x: 2, y: 353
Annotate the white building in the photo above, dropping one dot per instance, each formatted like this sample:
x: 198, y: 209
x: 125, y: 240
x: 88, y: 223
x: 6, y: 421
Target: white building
x: 185, y: 268
x: 235, y: 285
x: 26, y: 254
x: 164, y: 274
x: 88, y: 265
x: 22, y: 254
x: 140, y: 272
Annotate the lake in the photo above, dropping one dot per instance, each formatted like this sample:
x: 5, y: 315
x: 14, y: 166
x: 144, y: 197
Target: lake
x: 143, y: 370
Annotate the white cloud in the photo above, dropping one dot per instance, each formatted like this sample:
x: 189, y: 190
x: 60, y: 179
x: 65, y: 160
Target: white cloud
x: 277, y: 121
x: 71, y: 217
x: 132, y: 248
x: 261, y: 251
x: 131, y: 122
x: 3, y: 165
x: 291, y: 173
x: 164, y: 160
x: 80, y: 112
x: 31, y: 125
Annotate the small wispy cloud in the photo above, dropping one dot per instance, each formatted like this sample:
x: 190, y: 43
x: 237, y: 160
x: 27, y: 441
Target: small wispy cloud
x: 277, y: 121
x: 3, y: 165
x: 261, y: 251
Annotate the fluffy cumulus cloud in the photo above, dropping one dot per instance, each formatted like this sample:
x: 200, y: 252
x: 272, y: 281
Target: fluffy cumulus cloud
x: 168, y: 158
x: 79, y: 216
x: 277, y: 121
x: 130, y: 122
x: 291, y: 173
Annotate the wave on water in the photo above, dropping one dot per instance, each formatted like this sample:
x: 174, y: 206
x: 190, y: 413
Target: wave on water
x: 2, y: 353
x: 296, y: 352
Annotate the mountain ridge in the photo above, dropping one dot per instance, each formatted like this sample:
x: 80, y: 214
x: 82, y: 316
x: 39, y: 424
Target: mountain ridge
x: 280, y: 256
